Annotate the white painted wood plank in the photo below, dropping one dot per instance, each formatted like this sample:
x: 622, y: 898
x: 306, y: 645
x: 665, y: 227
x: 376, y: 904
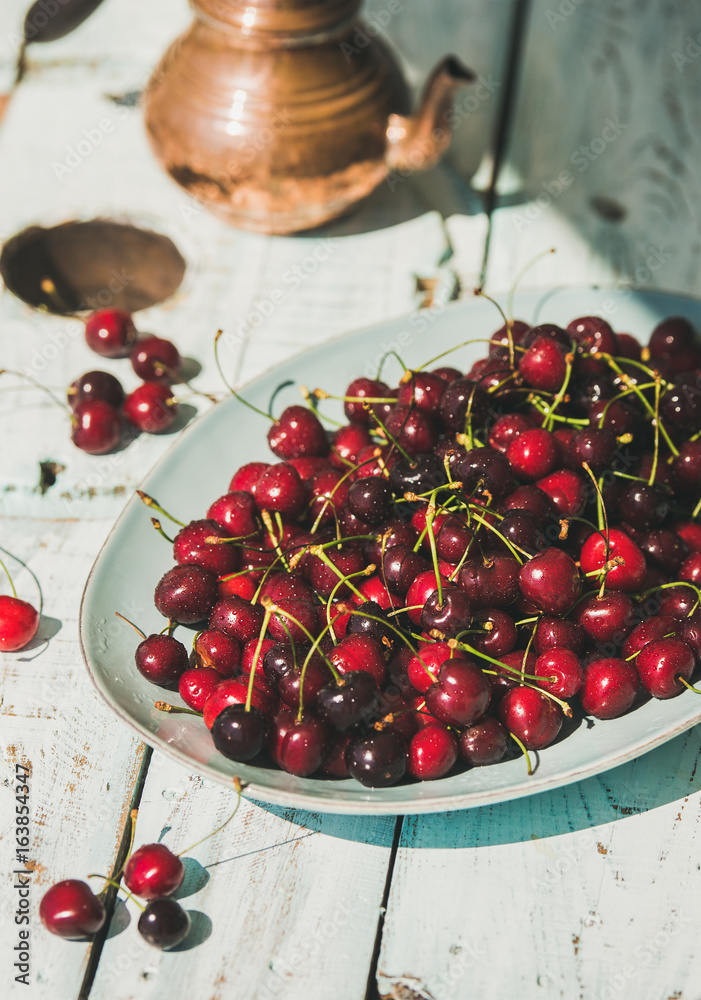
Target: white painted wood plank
x: 84, y: 763
x: 589, y: 891
x: 601, y: 161
x: 292, y: 900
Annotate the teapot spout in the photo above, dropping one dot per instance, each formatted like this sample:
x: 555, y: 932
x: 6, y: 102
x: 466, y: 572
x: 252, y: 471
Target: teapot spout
x: 417, y: 142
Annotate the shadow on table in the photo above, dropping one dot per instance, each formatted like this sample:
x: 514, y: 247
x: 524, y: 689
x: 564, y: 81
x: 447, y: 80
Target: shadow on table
x: 663, y: 776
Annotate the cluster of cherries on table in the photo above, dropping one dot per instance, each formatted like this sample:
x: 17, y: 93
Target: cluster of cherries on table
x: 466, y: 562
x: 104, y: 417
x: 71, y: 910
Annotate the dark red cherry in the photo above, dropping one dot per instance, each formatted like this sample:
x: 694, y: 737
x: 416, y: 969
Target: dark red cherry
x: 164, y: 923
x: 294, y: 619
x: 687, y: 467
x: 423, y: 667
x: 422, y: 390
x: 186, y: 594
x: 532, y: 499
x: 96, y: 427
x: 680, y: 405
x: 449, y: 612
x: 71, y: 910
x: 236, y: 513
x: 239, y: 734
x: 237, y: 618
x: 606, y: 618
x: 413, y: 430
x: 235, y: 692
x: 96, y: 385
x: 643, y: 506
x: 690, y: 631
x: 370, y: 619
x: 543, y: 365
x: 661, y: 663
x: 610, y: 687
x: 551, y: 581
x: 370, y: 500
x: 663, y: 548
x: 514, y: 334
x: 506, y: 429
x: 192, y: 546
x: 595, y: 447
x: 359, y: 652
x: 327, y: 490
x: 484, y: 742
x: 247, y: 476
x: 377, y: 760
x: 353, y: 698
x: 431, y: 752
x: 110, y: 332
x: 499, y: 636
x: 417, y: 474
x: 161, y: 659
x: 401, y: 565
x: 280, y: 489
x: 593, y: 335
x: 457, y: 398
x: 360, y: 389
x: 565, y: 666
x: 151, y: 407
x: 325, y: 580
x: 460, y: 695
x: 447, y: 374
x: 304, y: 746
x: 673, y: 342
x: 153, y: 871
x: 690, y: 569
x: 298, y: 431
x: 629, y: 346
x: 155, y: 359
x: 531, y: 716
x: 492, y: 582
x: 533, y: 454
x: 550, y: 331
x: 558, y: 632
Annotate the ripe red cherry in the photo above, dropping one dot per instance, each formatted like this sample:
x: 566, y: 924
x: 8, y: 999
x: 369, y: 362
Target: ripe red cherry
x: 247, y: 476
x: 558, y: 632
x: 191, y: 546
x: 377, y: 760
x: 235, y: 692
x: 593, y: 335
x: 304, y: 746
x: 238, y: 733
x: 96, y: 427
x: 608, y: 618
x: 506, y: 429
x: 566, y: 490
x: 151, y: 407
x: 543, y: 365
x: 195, y: 686
x: 155, y: 360
x: 460, y: 695
x: 186, y: 594
x: 19, y: 622
x: 413, y: 429
x: 610, y: 687
x: 362, y: 388
x: 533, y: 454
x: 419, y: 592
x: 491, y: 583
x: 71, y: 910
x: 236, y: 512
x: 630, y: 574
x: 280, y: 489
x: 347, y: 443
x: 661, y: 662
x: 161, y: 659
x: 531, y: 716
x: 297, y: 432
x: 96, y: 385
x: 431, y: 752
x: 652, y: 628
x: 423, y: 667
x: 567, y: 669
x: 238, y: 618
x: 359, y: 652
x: 110, y: 332
x: 422, y: 390
x: 484, y: 742
x: 153, y: 871
x: 550, y: 581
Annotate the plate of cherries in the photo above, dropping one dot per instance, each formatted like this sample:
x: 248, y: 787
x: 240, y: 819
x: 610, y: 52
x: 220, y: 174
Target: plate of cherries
x: 457, y: 571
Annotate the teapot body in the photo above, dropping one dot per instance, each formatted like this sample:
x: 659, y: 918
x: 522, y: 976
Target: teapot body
x: 274, y: 114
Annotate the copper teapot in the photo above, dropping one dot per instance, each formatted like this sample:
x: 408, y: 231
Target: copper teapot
x: 279, y: 115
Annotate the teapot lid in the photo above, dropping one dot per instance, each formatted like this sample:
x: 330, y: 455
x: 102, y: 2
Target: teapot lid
x: 281, y: 22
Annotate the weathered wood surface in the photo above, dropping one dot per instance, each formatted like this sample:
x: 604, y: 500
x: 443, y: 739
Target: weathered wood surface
x: 591, y: 891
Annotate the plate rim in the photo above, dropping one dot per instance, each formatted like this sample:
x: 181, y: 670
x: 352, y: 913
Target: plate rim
x: 302, y: 800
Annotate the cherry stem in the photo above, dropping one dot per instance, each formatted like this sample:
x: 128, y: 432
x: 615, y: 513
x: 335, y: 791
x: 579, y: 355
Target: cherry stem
x: 150, y: 502
x: 261, y: 413
x: 641, y: 395
x: 159, y: 528
x: 465, y: 343
x: 268, y: 522
x: 256, y: 654
x: 12, y: 586
x: 163, y: 706
x: 238, y: 787
x: 386, y: 355
x: 562, y: 391
x: 175, y: 377
x: 120, y: 888
x: 687, y: 685
x: 430, y: 515
x: 525, y: 753
x: 318, y: 551
x: 521, y: 274
x: 135, y: 627
x: 388, y: 436
x: 37, y: 385
x: 696, y: 511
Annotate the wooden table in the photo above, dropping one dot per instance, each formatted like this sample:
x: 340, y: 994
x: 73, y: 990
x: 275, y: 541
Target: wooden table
x: 585, y: 137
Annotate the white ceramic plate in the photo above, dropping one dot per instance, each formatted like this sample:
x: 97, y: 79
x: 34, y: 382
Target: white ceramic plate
x: 197, y: 469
